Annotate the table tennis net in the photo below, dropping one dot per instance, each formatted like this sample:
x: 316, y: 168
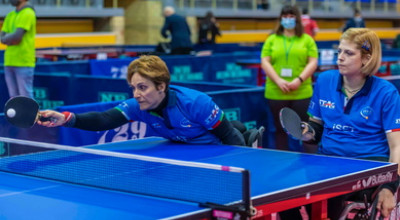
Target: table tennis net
x: 172, y: 179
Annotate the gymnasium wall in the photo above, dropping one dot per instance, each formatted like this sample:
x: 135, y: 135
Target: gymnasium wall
x: 324, y: 35
x: 81, y: 32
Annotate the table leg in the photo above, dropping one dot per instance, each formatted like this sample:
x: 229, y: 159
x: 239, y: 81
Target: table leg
x: 273, y: 216
x: 319, y: 210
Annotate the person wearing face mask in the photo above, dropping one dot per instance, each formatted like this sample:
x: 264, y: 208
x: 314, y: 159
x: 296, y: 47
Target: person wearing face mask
x: 175, y: 113
x: 289, y: 58
x: 356, y: 22
x: 18, y: 33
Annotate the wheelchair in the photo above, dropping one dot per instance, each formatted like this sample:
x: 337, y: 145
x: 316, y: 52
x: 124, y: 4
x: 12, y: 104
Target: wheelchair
x: 253, y: 137
x: 365, y: 210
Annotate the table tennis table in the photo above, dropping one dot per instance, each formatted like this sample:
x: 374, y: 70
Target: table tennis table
x: 279, y: 180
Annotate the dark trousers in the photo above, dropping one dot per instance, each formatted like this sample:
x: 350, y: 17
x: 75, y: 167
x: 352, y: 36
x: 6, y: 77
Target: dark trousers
x: 299, y: 106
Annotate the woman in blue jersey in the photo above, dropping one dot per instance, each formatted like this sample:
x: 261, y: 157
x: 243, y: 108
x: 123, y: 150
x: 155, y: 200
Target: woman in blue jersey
x: 176, y: 113
x: 356, y: 114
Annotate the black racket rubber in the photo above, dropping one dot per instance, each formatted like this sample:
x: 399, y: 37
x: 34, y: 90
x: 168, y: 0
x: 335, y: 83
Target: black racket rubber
x: 291, y: 122
x: 26, y: 110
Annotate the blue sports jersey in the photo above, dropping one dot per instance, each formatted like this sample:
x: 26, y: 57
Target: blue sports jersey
x: 189, y: 116
x: 356, y: 127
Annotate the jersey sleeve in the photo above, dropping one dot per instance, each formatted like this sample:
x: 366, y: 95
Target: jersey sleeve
x: 390, y: 111
x: 266, y: 50
x: 206, y: 112
x: 314, y: 110
x: 6, y: 26
x: 312, y: 48
x: 130, y: 109
x: 26, y: 19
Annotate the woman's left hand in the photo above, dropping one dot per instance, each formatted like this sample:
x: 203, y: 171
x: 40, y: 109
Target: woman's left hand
x: 294, y: 84
x: 386, y: 202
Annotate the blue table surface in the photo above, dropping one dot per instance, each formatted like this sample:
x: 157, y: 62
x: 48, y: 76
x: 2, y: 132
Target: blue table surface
x: 271, y: 171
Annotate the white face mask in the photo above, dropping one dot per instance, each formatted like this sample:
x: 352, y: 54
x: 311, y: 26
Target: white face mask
x: 288, y: 23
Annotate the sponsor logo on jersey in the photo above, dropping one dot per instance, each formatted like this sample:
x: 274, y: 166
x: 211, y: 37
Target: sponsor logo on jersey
x: 366, y: 112
x: 156, y: 125
x: 327, y: 104
x: 185, y: 123
x: 312, y: 104
x: 345, y: 128
x: 213, y: 114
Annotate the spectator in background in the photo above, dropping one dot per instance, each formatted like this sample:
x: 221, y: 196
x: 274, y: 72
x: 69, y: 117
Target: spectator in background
x: 289, y: 58
x: 18, y: 33
x: 208, y: 29
x: 396, y: 42
x: 263, y: 4
x: 176, y: 27
x: 310, y: 25
x: 356, y: 22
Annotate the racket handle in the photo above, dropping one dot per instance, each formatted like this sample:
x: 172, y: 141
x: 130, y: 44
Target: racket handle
x: 51, y: 119
x: 309, y: 134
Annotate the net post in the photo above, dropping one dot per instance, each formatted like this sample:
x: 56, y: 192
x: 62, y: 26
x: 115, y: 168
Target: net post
x: 246, y: 196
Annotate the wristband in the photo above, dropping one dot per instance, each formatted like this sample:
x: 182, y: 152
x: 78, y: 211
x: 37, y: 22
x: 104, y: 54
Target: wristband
x: 392, y: 186
x: 301, y: 80
x: 69, y: 119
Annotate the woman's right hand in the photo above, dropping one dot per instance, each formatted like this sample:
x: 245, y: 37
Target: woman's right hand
x: 283, y: 85
x: 57, y: 118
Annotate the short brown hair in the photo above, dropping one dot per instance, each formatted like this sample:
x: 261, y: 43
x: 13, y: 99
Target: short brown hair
x: 368, y: 43
x: 150, y: 67
x: 293, y: 10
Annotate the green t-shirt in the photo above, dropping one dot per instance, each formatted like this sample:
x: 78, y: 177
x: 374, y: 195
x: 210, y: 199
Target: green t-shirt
x: 289, y: 53
x: 22, y: 54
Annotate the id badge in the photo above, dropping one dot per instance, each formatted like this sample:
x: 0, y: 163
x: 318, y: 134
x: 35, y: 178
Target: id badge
x: 286, y: 72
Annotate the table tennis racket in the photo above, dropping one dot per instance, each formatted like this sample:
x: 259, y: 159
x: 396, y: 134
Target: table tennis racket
x: 23, y: 112
x: 291, y: 122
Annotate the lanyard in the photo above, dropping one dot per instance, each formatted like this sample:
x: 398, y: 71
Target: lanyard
x: 287, y: 50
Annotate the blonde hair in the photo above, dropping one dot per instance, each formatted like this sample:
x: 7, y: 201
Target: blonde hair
x: 152, y: 68
x: 369, y: 44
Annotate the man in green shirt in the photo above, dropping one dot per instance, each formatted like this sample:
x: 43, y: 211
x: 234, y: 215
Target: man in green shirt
x: 18, y: 33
